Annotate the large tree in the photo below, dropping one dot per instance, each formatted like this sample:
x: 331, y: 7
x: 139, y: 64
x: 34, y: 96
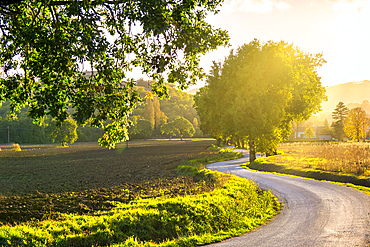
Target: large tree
x: 179, y: 127
x: 47, y: 45
x: 258, y: 91
x: 209, y: 103
x: 356, y: 123
x: 141, y: 129
x: 339, y: 115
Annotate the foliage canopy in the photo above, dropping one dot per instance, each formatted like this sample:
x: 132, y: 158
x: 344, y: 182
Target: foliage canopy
x: 356, y: 123
x: 340, y: 112
x: 309, y: 132
x: 142, y: 128
x: 45, y: 47
x: 178, y: 127
x: 258, y: 91
x: 65, y: 133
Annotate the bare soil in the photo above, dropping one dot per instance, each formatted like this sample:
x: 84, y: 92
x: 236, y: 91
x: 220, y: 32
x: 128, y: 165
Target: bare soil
x: 42, y: 181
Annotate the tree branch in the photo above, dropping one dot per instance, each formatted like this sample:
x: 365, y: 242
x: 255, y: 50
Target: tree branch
x: 60, y: 3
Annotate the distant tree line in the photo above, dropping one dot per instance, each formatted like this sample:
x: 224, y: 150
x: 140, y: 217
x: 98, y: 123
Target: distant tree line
x: 167, y: 118
x: 347, y: 123
x: 155, y: 118
x: 21, y: 129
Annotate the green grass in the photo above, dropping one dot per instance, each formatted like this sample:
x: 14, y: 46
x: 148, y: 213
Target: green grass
x: 192, y: 167
x: 236, y: 206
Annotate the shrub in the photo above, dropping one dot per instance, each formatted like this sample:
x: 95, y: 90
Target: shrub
x: 213, y: 148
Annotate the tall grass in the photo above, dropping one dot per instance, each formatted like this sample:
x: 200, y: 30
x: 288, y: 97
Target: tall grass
x: 349, y: 158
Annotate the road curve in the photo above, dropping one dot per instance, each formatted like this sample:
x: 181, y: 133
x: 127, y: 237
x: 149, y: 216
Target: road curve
x: 314, y: 213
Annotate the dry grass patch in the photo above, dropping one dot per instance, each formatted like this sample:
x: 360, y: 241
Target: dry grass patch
x: 346, y: 158
x: 343, y: 162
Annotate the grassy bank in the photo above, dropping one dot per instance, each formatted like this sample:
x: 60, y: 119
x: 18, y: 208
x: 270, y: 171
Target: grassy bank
x: 234, y: 206
x: 346, y: 163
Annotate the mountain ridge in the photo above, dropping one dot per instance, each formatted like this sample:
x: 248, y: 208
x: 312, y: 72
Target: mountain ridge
x: 350, y: 93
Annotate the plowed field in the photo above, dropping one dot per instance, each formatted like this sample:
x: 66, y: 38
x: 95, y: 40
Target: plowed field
x: 42, y: 181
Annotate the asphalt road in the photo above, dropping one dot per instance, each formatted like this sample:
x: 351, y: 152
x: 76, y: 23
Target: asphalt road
x: 314, y: 213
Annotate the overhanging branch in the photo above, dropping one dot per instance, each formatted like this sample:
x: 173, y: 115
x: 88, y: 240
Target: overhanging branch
x: 11, y: 2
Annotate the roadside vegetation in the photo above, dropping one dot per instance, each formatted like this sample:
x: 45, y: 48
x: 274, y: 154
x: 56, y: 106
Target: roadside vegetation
x: 337, y: 162
x: 177, y: 202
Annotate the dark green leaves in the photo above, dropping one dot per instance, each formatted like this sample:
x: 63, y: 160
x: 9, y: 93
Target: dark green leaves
x: 47, y: 46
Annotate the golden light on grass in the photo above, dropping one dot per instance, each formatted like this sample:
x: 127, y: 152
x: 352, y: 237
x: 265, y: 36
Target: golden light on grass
x: 349, y: 158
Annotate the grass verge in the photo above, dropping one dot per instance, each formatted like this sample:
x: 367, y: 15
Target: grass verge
x: 234, y: 207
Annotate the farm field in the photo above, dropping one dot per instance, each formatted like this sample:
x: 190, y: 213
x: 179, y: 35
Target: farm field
x: 42, y: 180
x: 156, y: 193
x: 339, y: 162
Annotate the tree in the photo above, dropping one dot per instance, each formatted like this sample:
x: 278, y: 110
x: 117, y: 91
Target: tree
x: 88, y: 134
x: 195, y: 123
x: 309, y: 131
x: 178, y: 104
x: 209, y: 103
x: 326, y: 125
x: 258, y: 91
x: 47, y: 45
x: 339, y: 115
x: 340, y: 112
x: 356, y: 123
x: 153, y: 113
x: 179, y: 127
x: 168, y: 129
x: 64, y: 133
x: 141, y: 129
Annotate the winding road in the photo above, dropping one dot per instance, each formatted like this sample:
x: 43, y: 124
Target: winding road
x: 314, y: 213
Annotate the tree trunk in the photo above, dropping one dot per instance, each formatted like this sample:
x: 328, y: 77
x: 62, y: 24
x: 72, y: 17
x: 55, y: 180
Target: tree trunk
x: 218, y: 142
x: 296, y: 135
x: 238, y: 142
x: 252, y: 151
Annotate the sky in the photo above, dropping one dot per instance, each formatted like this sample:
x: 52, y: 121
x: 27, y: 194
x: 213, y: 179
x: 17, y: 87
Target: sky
x: 340, y: 29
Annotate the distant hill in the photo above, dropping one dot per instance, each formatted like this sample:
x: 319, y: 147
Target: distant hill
x: 352, y: 94
x: 364, y: 105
